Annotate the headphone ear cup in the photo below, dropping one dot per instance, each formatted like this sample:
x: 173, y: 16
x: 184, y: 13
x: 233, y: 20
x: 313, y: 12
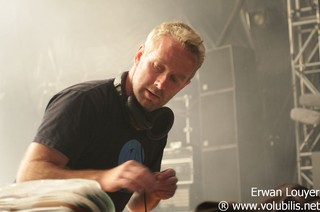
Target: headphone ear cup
x: 139, y: 117
x: 163, y: 119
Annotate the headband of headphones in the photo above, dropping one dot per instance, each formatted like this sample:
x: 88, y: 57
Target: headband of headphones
x: 157, y: 123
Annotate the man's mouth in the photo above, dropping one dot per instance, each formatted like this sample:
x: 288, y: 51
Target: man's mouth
x: 151, y: 95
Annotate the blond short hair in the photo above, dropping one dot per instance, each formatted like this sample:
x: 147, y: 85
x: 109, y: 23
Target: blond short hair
x: 187, y: 36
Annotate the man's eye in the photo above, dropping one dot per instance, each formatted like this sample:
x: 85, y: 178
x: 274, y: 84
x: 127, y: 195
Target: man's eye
x: 173, y: 79
x: 157, y: 67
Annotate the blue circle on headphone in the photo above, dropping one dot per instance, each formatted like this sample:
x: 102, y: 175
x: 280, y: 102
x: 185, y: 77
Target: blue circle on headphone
x: 132, y: 150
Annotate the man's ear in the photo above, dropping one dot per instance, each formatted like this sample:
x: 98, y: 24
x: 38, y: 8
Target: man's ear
x: 139, y: 53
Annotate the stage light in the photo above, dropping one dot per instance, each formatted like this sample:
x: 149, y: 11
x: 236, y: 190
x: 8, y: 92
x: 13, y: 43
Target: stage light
x: 263, y: 18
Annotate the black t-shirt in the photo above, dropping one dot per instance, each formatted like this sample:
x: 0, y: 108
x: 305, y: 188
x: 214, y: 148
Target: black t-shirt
x: 89, y: 124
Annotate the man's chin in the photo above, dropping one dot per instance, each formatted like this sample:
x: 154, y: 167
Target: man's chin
x: 149, y: 104
x: 150, y: 107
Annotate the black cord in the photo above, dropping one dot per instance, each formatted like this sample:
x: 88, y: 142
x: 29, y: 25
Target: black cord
x: 144, y: 193
x: 145, y: 201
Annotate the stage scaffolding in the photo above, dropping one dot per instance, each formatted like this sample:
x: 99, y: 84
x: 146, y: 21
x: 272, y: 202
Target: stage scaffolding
x: 304, y: 35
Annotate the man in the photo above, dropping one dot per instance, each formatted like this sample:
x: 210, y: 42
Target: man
x: 90, y: 130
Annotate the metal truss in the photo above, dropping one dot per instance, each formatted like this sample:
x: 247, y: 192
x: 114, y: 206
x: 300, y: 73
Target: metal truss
x: 304, y: 35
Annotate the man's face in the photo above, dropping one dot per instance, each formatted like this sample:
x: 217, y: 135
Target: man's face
x: 162, y: 72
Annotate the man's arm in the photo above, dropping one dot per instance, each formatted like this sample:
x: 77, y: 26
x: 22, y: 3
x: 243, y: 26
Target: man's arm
x: 139, y: 202
x: 42, y: 162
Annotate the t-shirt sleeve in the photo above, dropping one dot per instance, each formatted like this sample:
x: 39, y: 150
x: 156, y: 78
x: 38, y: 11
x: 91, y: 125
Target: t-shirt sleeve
x: 67, y: 123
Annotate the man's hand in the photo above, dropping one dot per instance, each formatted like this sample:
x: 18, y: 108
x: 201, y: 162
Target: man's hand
x: 166, y: 184
x: 130, y: 175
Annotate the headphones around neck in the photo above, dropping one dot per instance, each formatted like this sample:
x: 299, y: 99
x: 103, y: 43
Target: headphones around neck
x: 157, y: 123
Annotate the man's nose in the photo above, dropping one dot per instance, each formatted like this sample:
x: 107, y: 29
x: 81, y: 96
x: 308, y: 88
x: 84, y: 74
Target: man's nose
x: 161, y: 81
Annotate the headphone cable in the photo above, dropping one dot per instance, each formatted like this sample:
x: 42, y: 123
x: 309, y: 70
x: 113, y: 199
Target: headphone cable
x: 144, y: 192
x: 145, y: 201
